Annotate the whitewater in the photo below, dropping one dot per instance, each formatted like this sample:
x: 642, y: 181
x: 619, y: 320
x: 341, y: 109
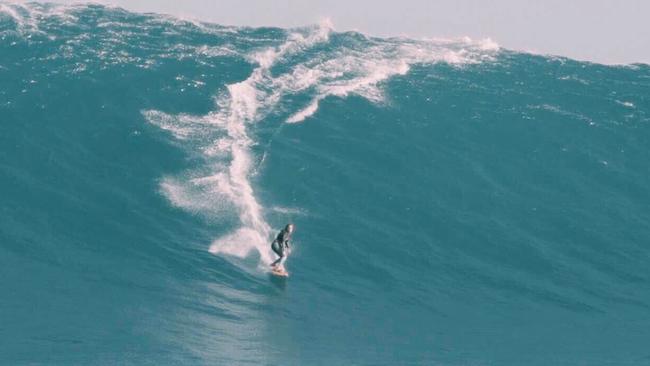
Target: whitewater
x: 456, y: 203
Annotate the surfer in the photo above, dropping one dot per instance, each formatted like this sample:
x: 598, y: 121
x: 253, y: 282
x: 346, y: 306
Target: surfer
x: 281, y: 246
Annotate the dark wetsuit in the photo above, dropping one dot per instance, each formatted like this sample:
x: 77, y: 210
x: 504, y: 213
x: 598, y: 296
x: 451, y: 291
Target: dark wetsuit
x: 280, y: 246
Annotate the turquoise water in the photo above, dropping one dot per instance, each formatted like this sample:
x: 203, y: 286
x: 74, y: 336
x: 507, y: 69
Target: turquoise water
x: 456, y: 203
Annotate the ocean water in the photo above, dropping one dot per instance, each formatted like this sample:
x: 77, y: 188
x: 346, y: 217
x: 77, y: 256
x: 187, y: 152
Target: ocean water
x: 456, y: 203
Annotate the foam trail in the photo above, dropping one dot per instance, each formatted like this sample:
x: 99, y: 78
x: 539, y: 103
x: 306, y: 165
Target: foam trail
x: 254, y: 231
x: 246, y: 99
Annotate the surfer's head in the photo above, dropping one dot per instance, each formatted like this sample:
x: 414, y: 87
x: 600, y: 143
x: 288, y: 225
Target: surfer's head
x: 289, y: 228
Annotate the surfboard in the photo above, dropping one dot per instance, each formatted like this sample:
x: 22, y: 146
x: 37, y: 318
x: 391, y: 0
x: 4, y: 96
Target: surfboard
x: 280, y: 272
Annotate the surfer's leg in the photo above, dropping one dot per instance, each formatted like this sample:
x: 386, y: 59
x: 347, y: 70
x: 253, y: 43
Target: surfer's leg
x: 276, y: 249
x: 275, y: 246
x: 279, y: 261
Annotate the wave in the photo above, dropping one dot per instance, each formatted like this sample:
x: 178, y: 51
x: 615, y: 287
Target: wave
x: 440, y: 187
x: 358, y: 68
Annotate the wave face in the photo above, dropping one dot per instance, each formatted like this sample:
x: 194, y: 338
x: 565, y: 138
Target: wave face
x: 455, y: 203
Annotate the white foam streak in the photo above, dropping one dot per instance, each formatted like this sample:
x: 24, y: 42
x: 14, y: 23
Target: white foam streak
x: 246, y: 98
x: 307, y: 112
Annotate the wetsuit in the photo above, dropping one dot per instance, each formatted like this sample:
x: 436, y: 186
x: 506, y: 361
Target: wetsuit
x: 280, y: 246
